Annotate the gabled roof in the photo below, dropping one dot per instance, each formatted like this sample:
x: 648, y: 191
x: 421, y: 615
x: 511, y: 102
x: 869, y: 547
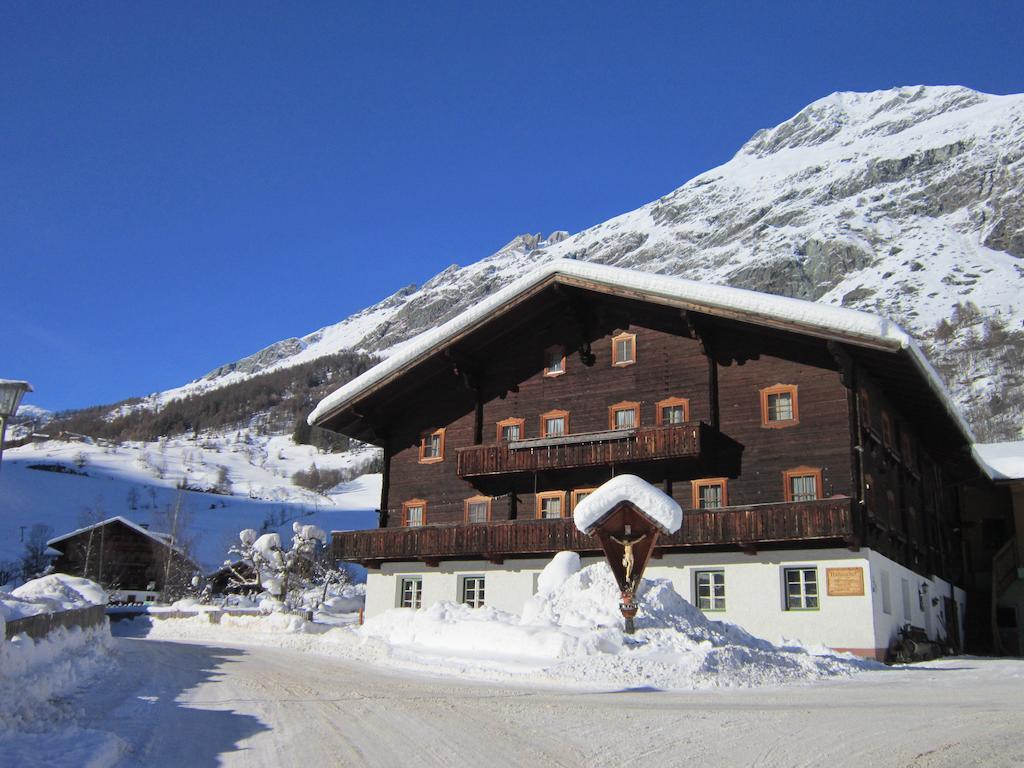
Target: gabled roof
x: 860, y: 329
x: 160, y: 538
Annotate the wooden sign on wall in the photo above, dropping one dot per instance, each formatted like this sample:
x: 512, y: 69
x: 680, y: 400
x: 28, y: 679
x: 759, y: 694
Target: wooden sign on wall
x: 845, y: 582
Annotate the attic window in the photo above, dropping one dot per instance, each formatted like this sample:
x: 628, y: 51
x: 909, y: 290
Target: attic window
x: 779, y: 406
x: 432, y: 446
x: 624, y: 349
x: 554, y: 361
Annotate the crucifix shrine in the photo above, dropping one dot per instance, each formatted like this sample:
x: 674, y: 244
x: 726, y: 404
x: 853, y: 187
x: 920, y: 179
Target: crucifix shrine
x: 627, y: 514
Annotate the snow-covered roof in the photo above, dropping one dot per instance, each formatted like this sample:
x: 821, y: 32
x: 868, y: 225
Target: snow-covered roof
x: 822, y: 320
x: 160, y: 538
x: 1002, y: 461
x: 661, y: 508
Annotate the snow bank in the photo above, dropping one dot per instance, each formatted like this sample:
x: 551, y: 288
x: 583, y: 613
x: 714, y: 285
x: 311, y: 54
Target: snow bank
x: 653, y: 502
x: 37, y: 673
x: 577, y: 631
x: 48, y: 594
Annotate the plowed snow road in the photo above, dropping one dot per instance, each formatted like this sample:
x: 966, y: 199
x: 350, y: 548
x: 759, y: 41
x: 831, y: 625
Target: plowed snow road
x: 194, y: 705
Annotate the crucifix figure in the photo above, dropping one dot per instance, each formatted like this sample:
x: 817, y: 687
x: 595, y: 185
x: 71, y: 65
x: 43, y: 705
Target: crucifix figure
x: 627, y: 554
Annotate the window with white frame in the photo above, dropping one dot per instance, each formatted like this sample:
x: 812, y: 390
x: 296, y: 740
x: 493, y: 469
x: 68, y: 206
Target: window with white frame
x: 801, y: 589
x: 410, y: 592
x: 710, y: 586
x: 473, y: 591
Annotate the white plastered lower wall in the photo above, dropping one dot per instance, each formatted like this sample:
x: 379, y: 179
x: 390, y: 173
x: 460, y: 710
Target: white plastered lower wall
x: 755, y: 593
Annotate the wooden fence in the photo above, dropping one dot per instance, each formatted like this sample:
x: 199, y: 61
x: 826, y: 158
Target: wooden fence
x: 40, y: 625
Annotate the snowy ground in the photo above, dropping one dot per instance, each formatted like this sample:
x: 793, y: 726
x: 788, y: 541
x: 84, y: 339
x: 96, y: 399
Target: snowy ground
x: 228, y: 704
x: 138, y: 481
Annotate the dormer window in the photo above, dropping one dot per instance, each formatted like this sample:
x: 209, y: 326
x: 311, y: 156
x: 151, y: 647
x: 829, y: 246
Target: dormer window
x: 779, y: 406
x: 554, y: 424
x: 554, y: 361
x: 432, y: 447
x: 624, y: 349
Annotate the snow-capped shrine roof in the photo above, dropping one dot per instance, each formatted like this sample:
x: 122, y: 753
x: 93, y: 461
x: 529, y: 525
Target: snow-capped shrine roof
x: 661, y: 508
x: 821, y: 320
x: 160, y: 538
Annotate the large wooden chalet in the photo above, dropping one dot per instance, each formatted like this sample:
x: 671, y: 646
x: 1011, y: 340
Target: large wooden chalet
x: 825, y: 471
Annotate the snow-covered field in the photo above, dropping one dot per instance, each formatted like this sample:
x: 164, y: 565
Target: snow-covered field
x: 140, y: 481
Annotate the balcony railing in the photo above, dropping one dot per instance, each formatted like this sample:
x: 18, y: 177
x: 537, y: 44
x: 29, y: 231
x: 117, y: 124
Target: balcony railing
x: 731, y: 527
x: 586, y: 449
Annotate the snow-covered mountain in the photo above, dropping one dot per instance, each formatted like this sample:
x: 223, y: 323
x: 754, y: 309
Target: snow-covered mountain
x: 903, y: 202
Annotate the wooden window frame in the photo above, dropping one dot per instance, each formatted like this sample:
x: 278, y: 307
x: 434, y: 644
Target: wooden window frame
x: 671, y: 402
x: 556, y: 414
x: 711, y: 594
x: 625, y: 405
x: 423, y: 446
x: 476, y: 500
x: 778, y: 389
x: 616, y: 363
x: 576, y: 495
x: 417, y: 602
x: 511, y: 422
x: 480, y: 593
x: 696, y: 485
x: 802, y: 598
x: 548, y: 373
x: 406, y: 505
x: 550, y: 495
x: 804, y: 471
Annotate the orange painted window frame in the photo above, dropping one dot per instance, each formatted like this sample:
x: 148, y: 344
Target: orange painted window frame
x: 550, y: 495
x: 778, y: 389
x: 477, y: 500
x: 410, y: 504
x: 625, y: 405
x: 789, y: 474
x: 424, y: 459
x: 556, y: 414
x: 616, y: 362
x: 671, y: 402
x: 548, y: 373
x: 706, y: 482
x: 576, y: 495
x: 511, y: 422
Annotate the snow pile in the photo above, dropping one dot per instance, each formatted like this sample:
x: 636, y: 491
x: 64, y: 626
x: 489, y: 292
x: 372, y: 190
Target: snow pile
x: 653, y: 502
x: 574, y: 629
x: 36, y: 674
x: 48, y: 594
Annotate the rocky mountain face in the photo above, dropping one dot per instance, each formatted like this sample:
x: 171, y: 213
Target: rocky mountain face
x: 903, y: 202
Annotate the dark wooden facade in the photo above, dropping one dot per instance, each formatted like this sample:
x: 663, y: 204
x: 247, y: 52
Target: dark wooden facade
x: 120, y: 557
x: 901, y: 502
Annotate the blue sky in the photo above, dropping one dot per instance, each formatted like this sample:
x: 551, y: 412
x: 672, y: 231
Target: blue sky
x: 184, y: 183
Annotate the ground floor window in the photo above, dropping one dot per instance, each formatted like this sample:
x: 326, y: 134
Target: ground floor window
x: 411, y: 592
x: 473, y: 591
x: 801, y: 589
x: 711, y: 590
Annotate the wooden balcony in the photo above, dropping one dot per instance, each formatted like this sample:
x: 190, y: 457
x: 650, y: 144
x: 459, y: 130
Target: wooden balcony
x: 746, y: 528
x: 587, y: 449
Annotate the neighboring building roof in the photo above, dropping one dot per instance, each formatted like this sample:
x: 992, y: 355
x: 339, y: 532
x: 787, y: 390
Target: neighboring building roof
x: 160, y: 538
x: 821, y: 320
x: 1002, y: 461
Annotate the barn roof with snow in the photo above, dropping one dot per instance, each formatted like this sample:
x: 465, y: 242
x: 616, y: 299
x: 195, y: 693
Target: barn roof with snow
x: 160, y: 538
x: 893, y: 353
